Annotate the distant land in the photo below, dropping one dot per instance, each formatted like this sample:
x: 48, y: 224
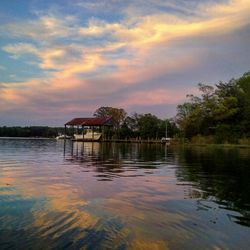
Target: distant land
x: 220, y: 114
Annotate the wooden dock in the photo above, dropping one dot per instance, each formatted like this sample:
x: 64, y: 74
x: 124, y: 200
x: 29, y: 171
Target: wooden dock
x: 150, y: 141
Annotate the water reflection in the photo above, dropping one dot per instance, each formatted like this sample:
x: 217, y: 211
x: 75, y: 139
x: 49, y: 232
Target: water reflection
x: 221, y: 173
x: 117, y: 160
x: 122, y: 196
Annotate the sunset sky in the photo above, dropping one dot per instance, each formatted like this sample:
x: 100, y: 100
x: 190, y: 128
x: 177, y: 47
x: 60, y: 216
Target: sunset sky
x: 63, y: 59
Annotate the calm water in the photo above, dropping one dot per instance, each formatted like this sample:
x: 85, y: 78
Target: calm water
x: 122, y: 196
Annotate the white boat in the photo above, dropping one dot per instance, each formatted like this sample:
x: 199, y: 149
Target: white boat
x: 62, y: 137
x: 165, y: 140
x: 88, y: 136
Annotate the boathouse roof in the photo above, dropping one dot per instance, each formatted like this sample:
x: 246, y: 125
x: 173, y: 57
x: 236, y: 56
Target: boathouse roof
x: 90, y: 121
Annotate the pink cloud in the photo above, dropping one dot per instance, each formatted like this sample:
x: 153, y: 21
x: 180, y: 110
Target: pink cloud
x: 153, y: 97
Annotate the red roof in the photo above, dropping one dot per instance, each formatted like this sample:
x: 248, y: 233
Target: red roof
x: 90, y: 121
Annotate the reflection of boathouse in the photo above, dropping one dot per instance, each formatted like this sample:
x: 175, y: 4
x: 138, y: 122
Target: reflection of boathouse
x: 89, y: 129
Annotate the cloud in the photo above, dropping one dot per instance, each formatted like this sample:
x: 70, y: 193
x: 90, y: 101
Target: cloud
x: 43, y: 28
x: 88, y: 61
x: 98, y: 27
x: 2, y: 68
x: 153, y: 97
x: 138, y: 33
x: 153, y: 30
x: 20, y: 49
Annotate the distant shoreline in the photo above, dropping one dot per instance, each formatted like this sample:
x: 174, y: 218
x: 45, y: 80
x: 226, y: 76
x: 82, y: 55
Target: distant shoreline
x: 175, y: 143
x: 26, y: 138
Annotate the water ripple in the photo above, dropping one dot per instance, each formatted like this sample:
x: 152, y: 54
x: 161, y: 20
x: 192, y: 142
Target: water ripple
x: 122, y: 196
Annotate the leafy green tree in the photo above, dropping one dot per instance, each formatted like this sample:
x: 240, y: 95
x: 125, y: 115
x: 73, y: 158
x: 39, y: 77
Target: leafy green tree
x: 222, y: 110
x: 132, y: 122
x: 243, y: 84
x: 148, y: 125
x: 170, y: 126
x: 118, y: 115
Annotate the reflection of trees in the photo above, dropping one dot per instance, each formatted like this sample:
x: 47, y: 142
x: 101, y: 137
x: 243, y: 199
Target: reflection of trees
x: 112, y: 159
x: 220, y: 173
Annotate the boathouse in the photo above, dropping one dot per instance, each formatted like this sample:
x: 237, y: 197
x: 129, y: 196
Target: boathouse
x: 89, y: 129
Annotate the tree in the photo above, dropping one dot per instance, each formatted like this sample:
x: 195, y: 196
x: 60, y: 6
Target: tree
x: 148, y: 126
x: 132, y: 122
x: 186, y: 120
x: 243, y: 96
x: 118, y: 115
x: 222, y: 110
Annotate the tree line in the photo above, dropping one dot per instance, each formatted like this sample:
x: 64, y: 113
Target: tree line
x: 143, y: 126
x: 221, y: 113
x: 33, y: 131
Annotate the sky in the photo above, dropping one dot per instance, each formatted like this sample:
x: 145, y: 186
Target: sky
x: 63, y: 59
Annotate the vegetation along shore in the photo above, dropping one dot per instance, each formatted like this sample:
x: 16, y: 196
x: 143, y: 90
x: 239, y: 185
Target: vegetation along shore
x: 219, y: 115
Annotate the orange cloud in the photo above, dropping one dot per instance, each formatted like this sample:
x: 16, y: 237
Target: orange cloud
x: 142, y: 48
x: 151, y: 30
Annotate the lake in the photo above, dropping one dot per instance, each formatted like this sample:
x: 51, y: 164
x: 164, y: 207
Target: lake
x: 122, y: 196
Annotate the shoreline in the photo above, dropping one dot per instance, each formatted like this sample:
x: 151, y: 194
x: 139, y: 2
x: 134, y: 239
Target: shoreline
x: 225, y: 145
x: 26, y: 138
x: 173, y: 143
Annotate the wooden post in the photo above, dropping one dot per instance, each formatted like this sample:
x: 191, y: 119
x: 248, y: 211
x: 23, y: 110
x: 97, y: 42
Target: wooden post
x: 82, y: 132
x: 102, y: 128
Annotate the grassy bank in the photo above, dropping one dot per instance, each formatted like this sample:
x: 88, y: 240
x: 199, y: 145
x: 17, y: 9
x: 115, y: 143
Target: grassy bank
x: 213, y: 141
